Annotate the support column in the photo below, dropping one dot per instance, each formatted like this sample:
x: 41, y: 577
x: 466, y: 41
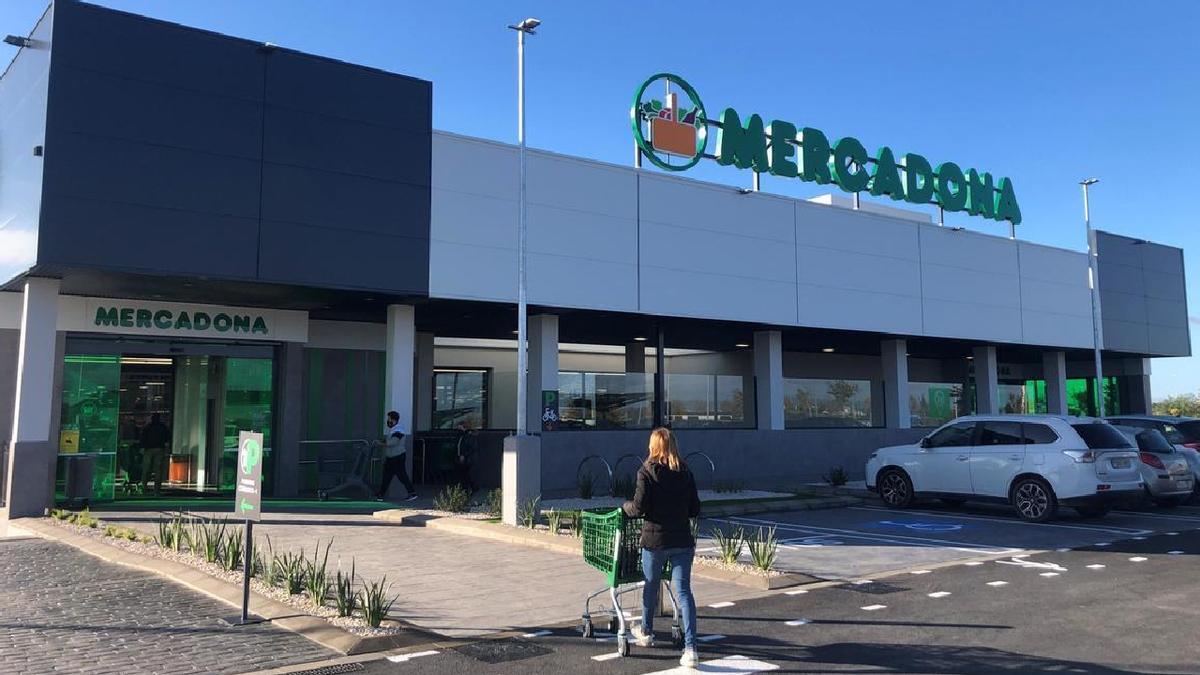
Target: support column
x: 987, y: 393
x: 768, y: 378
x: 521, y: 478
x: 1054, y: 372
x: 32, y: 456
x: 290, y: 399
x: 635, y: 357
x: 1138, y: 401
x: 398, y: 369
x: 424, y: 382
x: 894, y: 354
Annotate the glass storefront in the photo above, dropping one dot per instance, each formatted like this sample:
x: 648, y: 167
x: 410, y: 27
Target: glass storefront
x: 159, y: 424
x: 827, y: 403
x: 701, y: 401
x: 460, y: 397
x: 605, y: 400
x: 932, y: 404
x: 1081, y: 395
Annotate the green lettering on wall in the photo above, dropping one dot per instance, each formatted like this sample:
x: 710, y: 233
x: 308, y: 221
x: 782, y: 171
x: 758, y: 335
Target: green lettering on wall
x: 781, y: 151
x: 126, y: 317
x: 981, y: 194
x: 183, y: 322
x: 143, y: 318
x: 886, y: 178
x: 222, y: 322
x: 850, y: 165
x: 918, y: 178
x: 951, y: 198
x: 260, y: 326
x: 1006, y: 203
x: 201, y: 321
x: 814, y: 156
x: 742, y: 146
x: 162, y: 319
x: 241, y: 323
x: 106, y: 316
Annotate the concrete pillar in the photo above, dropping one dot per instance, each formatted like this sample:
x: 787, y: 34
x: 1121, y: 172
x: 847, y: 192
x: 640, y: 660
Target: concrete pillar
x: 290, y: 400
x: 1054, y: 372
x: 1138, y: 399
x: 32, y: 455
x: 987, y: 393
x: 894, y: 354
x: 635, y: 357
x: 424, y: 382
x: 768, y: 378
x: 543, y: 365
x: 398, y: 369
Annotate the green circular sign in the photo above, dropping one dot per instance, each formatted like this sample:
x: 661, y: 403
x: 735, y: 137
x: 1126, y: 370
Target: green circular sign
x: 669, y: 127
x: 251, y: 454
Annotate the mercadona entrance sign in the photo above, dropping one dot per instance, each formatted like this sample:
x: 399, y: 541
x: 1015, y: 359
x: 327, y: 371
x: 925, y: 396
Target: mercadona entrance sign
x: 674, y: 136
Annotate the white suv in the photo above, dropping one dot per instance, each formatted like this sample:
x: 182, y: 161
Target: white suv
x: 1034, y: 462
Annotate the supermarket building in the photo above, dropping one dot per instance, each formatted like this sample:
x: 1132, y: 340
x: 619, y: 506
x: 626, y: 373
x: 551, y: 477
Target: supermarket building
x: 233, y: 236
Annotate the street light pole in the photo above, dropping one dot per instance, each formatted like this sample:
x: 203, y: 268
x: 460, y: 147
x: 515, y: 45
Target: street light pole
x: 1093, y: 280
x: 525, y: 27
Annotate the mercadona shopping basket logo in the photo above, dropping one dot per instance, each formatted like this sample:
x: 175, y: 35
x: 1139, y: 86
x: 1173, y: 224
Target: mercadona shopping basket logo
x: 670, y: 131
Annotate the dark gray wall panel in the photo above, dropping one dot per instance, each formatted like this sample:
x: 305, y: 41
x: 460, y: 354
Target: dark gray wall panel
x: 343, y: 202
x: 10, y: 341
x: 1143, y: 296
x: 374, y: 260
x: 304, y: 82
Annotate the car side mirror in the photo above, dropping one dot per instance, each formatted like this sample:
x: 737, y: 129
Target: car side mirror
x: 925, y: 443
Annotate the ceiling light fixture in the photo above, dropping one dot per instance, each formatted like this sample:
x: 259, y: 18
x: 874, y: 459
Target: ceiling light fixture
x: 741, y: 345
x: 827, y: 350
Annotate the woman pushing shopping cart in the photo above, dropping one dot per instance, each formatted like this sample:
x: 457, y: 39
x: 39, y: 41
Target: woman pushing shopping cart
x: 657, y: 524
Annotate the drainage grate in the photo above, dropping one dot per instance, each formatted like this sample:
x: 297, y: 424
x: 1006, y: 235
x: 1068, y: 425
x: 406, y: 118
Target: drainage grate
x: 501, y: 651
x: 335, y: 670
x: 872, y: 588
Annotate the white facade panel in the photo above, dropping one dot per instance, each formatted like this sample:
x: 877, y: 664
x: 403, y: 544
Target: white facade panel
x: 470, y: 272
x: 562, y: 281
x: 715, y: 208
x: 1055, y: 265
x: 960, y: 284
x: 971, y: 320
x: 970, y: 250
x: 704, y: 295
x: 829, y: 227
x: 1042, y: 296
x: 587, y: 187
x: 826, y: 307
x: 1057, y: 330
x: 858, y: 271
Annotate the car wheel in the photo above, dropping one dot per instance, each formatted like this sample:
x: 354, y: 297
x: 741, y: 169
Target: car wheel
x: 953, y: 501
x: 1093, y: 511
x: 1034, y: 500
x: 895, y: 489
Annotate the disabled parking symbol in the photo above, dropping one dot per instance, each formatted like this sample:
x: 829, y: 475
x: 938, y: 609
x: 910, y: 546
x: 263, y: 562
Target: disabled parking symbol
x: 924, y: 527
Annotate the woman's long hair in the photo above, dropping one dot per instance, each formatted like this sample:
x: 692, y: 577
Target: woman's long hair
x: 664, y: 449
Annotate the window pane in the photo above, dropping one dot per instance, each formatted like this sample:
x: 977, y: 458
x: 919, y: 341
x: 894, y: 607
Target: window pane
x: 827, y: 403
x: 932, y: 404
x: 953, y: 435
x: 1101, y: 436
x: 605, y: 400
x: 460, y: 397
x: 1001, y: 433
x: 709, y: 401
x: 1039, y: 433
x: 1012, y: 398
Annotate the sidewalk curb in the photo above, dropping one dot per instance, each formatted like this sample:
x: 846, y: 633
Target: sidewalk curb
x: 313, y: 628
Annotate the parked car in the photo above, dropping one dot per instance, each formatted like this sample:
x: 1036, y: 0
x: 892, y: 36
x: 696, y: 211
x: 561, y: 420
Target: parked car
x: 1182, y: 432
x: 1036, y: 463
x: 1167, y: 478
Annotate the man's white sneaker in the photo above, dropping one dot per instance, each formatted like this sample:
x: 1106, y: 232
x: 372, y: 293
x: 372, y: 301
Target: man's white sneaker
x: 640, y: 637
x: 690, y: 658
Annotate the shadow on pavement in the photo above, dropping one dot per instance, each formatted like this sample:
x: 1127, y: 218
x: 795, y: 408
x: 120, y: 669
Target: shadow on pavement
x: 940, y: 659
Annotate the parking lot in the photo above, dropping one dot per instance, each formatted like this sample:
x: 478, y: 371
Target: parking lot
x: 872, y: 539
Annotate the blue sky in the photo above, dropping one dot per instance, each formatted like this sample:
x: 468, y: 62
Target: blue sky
x: 1045, y: 93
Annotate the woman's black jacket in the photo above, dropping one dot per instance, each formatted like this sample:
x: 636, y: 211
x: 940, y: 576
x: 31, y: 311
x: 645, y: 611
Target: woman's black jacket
x: 668, y: 501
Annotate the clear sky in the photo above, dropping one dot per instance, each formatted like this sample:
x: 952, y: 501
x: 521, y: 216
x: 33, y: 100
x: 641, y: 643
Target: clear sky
x: 1046, y: 93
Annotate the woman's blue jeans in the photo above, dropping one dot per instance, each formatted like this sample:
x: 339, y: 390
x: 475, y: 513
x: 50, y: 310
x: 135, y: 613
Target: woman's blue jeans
x: 681, y: 578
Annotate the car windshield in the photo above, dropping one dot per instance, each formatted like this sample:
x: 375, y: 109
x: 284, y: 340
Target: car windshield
x: 1190, y: 431
x: 1101, y: 436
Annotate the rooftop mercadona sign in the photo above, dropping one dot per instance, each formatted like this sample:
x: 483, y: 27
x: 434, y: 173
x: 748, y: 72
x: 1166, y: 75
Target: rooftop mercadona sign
x: 674, y: 137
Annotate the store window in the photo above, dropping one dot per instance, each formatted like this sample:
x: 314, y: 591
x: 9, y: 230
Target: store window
x: 932, y: 404
x: 605, y: 400
x: 89, y: 420
x: 1081, y: 396
x: 702, y: 401
x: 460, y: 396
x: 827, y: 403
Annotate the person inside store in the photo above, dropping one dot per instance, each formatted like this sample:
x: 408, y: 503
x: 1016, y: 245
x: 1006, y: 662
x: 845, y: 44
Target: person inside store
x: 394, y: 462
x: 156, y: 438
x: 464, y: 457
x: 666, y: 497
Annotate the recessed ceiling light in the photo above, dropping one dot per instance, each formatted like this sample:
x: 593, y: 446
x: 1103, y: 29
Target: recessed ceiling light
x: 516, y: 332
x: 639, y: 339
x: 741, y: 345
x: 970, y: 358
x: 828, y: 350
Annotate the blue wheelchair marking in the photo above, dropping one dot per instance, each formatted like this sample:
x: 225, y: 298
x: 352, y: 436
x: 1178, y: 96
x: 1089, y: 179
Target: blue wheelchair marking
x: 923, y: 527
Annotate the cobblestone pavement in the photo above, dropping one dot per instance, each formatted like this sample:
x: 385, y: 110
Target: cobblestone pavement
x: 63, y: 611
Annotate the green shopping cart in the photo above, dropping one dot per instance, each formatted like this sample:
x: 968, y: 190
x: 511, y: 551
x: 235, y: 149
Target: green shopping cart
x: 612, y: 544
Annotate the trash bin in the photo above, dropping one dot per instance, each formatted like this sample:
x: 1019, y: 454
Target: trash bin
x: 81, y: 472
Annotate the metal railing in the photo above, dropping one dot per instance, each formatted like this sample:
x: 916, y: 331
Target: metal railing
x: 585, y: 460
x: 356, y: 468
x: 712, y: 467
x: 4, y: 472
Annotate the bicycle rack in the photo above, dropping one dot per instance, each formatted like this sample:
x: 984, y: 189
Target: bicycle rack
x: 607, y: 467
x: 712, y: 467
x: 622, y: 458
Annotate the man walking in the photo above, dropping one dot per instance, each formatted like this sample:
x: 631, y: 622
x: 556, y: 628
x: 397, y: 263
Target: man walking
x: 156, y: 437
x: 394, y: 464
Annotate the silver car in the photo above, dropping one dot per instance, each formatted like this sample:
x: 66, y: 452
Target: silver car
x: 1165, y: 471
x: 1182, y: 432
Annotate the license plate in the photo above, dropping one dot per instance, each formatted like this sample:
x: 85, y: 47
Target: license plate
x: 1122, y: 463
x: 1183, y: 484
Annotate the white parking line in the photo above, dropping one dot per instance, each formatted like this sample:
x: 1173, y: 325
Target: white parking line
x: 1156, y: 516
x: 729, y: 665
x: 920, y: 572
x: 1095, y: 567
x: 710, y: 638
x: 798, y: 591
x: 874, y: 608
x: 1138, y: 558
x: 899, y: 539
x: 973, y: 563
x: 540, y: 633
x: 796, y: 622
x: 939, y: 594
x: 1174, y: 552
x: 606, y: 656
x: 997, y: 583
x: 1009, y: 520
x: 403, y: 658
x: 1048, y: 574
x: 1171, y: 534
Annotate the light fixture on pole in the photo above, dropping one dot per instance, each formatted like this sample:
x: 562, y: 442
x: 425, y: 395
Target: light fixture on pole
x: 527, y: 26
x: 1095, y: 291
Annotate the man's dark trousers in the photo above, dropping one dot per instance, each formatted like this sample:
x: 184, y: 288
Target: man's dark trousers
x: 395, y: 466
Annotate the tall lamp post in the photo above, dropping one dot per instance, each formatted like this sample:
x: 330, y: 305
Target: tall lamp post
x: 1093, y: 280
x: 526, y: 27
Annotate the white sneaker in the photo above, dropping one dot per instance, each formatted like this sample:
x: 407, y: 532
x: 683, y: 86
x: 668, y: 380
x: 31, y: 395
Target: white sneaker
x: 690, y: 658
x: 640, y: 637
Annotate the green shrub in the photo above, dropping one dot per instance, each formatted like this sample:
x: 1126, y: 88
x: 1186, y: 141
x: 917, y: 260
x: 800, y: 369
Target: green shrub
x: 208, y: 538
x: 345, y: 597
x: 453, y: 498
x: 316, y: 576
x: 172, y: 534
x: 527, y: 514
x: 273, y: 572
x: 232, y: 550
x: 729, y: 544
x: 836, y: 477
x: 495, y: 503
x: 292, y: 568
x: 587, y: 486
x: 60, y: 514
x: 764, y: 546
x: 624, y: 487
x: 554, y: 520
x: 375, y: 602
